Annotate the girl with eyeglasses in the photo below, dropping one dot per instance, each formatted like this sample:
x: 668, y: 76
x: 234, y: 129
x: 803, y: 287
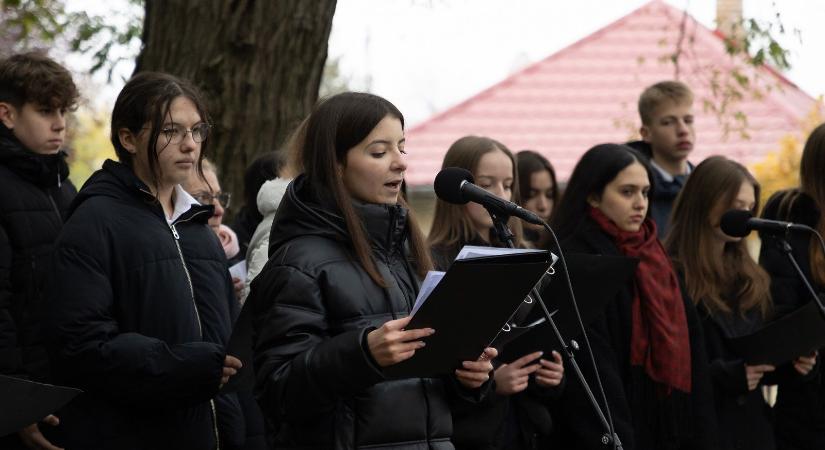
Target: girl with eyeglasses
x: 207, y: 191
x: 140, y: 309
x: 514, y: 415
x: 332, y: 303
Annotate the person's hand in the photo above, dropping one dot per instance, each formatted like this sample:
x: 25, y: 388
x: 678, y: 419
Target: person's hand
x: 551, y: 372
x: 474, y: 373
x: 237, y: 283
x: 34, y: 439
x: 805, y: 364
x: 755, y: 373
x: 390, y: 343
x: 512, y: 378
x: 231, y: 365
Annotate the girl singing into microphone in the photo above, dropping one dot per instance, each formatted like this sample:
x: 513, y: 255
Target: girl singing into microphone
x: 731, y: 293
x: 332, y: 303
x: 515, y: 415
x: 800, y: 407
x: 647, y: 342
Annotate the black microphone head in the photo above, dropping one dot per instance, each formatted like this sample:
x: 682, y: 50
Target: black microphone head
x: 735, y: 222
x: 447, y: 184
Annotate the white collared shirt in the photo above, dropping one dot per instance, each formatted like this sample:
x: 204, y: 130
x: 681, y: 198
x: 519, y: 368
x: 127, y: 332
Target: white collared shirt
x: 183, y: 201
x: 665, y: 174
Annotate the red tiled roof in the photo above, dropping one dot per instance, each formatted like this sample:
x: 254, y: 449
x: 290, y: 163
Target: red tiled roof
x: 586, y: 94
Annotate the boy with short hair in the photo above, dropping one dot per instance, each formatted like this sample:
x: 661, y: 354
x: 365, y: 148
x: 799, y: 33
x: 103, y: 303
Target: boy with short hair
x: 36, y: 93
x: 666, y: 112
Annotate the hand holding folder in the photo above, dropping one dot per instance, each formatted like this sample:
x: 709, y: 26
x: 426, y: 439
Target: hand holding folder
x: 26, y: 402
x: 468, y: 308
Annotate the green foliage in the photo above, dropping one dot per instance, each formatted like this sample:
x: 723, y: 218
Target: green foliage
x: 28, y: 24
x: 752, y: 44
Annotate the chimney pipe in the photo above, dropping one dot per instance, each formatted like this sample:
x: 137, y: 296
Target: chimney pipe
x: 729, y: 17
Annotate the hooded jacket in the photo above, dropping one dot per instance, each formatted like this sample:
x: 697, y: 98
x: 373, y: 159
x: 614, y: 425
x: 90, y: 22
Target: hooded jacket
x: 35, y: 196
x: 269, y: 197
x: 139, y: 314
x: 313, y: 306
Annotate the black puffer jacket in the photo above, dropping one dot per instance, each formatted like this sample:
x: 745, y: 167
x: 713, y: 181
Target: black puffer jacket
x: 33, y: 203
x: 316, y: 380
x: 800, y: 404
x: 138, y: 319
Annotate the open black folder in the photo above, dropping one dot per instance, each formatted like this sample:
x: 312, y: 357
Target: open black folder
x: 796, y: 334
x: 596, y: 280
x: 26, y: 402
x: 468, y: 308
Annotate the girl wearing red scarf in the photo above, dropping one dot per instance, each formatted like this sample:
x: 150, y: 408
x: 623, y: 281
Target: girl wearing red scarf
x: 648, y: 341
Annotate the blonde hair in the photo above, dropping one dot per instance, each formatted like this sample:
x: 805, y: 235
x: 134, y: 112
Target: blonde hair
x: 653, y: 96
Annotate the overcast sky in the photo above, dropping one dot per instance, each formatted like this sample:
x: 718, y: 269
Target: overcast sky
x: 426, y: 55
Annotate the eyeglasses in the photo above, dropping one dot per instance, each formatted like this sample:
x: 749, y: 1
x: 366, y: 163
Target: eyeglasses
x: 205, y: 198
x: 174, y: 134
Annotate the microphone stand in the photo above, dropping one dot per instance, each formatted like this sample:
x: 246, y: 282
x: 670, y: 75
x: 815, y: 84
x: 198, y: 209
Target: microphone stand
x: 609, y: 437
x: 786, y: 248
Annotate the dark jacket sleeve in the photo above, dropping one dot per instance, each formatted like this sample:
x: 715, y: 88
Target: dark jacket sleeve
x: 300, y: 367
x: 89, y: 351
x: 574, y: 404
x: 10, y: 358
x: 706, y: 432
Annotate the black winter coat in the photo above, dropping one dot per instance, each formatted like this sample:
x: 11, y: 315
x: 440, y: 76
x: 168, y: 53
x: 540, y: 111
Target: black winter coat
x: 35, y: 196
x: 800, y: 406
x: 138, y: 319
x: 642, y: 418
x: 745, y: 419
x: 314, y: 305
x: 33, y: 203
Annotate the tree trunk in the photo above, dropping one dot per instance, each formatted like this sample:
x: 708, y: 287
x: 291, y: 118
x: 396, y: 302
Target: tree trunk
x: 258, y: 63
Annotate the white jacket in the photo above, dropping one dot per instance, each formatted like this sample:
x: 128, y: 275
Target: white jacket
x: 269, y: 197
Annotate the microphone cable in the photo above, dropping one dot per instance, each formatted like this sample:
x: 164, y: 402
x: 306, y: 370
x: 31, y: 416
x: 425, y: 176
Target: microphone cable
x: 608, y: 414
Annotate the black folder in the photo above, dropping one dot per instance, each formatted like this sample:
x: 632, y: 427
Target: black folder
x: 26, y: 402
x: 796, y: 334
x: 468, y: 308
x: 596, y: 280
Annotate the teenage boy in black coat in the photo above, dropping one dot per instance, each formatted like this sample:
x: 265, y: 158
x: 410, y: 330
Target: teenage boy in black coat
x: 35, y: 95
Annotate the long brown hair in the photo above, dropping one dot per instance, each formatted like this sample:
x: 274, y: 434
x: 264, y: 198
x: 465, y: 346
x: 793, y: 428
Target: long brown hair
x: 452, y: 227
x: 336, y: 125
x: 811, y: 181
x: 710, y: 191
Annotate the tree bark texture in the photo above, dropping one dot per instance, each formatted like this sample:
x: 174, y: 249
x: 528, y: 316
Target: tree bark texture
x: 258, y: 63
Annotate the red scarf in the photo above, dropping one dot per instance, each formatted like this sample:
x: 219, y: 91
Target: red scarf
x: 659, y: 341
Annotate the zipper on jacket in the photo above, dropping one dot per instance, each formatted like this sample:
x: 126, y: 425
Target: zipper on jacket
x: 54, y: 206
x: 188, y: 279
x: 200, y: 326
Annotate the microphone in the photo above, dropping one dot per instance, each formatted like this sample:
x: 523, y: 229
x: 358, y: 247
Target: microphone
x: 455, y: 185
x: 739, y: 223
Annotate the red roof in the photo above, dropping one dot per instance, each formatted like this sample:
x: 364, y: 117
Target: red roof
x: 586, y: 94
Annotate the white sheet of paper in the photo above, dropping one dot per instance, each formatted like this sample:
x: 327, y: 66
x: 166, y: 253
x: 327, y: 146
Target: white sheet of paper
x: 474, y: 251
x: 467, y: 252
x: 430, y: 282
x: 239, y: 270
